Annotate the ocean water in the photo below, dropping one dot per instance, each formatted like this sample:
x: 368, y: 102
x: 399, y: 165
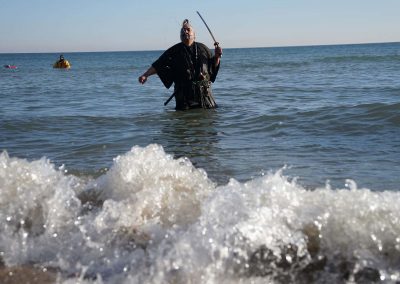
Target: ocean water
x: 293, y: 179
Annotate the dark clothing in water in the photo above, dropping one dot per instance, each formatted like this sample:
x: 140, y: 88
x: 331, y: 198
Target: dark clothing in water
x: 183, y: 66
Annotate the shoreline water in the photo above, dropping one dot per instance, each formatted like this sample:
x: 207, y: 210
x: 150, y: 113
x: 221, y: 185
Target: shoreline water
x: 293, y: 177
x: 154, y: 218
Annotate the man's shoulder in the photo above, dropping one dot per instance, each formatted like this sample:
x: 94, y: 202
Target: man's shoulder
x: 204, y: 49
x: 173, y: 50
x: 202, y: 45
x: 175, y: 46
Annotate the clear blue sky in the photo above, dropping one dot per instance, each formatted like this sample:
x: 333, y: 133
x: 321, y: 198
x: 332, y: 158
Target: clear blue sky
x: 108, y: 25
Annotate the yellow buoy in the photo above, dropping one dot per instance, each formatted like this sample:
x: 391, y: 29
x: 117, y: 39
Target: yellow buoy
x: 62, y: 64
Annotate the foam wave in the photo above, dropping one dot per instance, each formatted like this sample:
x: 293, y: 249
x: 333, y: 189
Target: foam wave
x: 155, y: 219
x: 32, y: 191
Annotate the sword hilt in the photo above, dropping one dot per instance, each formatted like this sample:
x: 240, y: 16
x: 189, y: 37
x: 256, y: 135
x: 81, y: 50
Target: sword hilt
x: 216, y: 45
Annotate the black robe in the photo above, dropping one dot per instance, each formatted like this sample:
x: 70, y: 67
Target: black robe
x: 183, y: 66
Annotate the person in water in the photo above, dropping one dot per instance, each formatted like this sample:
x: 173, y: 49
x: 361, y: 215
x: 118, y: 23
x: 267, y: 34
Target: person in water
x: 10, y: 66
x: 192, y: 67
x: 61, y: 60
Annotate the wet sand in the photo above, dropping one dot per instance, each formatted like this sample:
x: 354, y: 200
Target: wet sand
x: 26, y: 275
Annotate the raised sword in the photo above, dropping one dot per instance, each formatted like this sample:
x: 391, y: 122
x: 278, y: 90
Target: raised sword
x: 215, y: 42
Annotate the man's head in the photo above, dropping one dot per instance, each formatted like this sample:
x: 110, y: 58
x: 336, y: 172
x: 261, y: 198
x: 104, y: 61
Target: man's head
x: 187, y: 32
x: 61, y: 57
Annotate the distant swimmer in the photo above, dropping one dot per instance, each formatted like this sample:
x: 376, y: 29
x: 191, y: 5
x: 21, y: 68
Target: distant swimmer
x: 62, y: 63
x: 10, y: 66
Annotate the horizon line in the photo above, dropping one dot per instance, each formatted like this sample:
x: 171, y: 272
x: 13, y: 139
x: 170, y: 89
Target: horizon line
x: 247, y: 47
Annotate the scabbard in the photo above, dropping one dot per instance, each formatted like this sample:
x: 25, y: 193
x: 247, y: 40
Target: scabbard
x: 169, y: 99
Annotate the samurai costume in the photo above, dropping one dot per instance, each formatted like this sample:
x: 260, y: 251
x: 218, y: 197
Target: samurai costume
x: 192, y: 70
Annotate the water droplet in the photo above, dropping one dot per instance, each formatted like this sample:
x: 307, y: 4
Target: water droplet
x: 175, y: 266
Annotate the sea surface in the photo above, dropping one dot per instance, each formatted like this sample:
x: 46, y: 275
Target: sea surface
x: 295, y: 178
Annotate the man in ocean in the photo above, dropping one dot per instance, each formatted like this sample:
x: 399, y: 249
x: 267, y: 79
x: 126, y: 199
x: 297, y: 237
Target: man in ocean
x: 191, y: 67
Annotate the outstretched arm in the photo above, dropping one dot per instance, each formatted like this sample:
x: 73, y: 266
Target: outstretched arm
x: 148, y: 73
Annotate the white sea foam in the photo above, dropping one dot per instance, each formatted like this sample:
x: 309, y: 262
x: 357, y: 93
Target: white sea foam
x: 155, y: 219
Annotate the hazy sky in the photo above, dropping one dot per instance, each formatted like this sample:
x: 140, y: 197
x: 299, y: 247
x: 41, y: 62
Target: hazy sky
x: 113, y: 25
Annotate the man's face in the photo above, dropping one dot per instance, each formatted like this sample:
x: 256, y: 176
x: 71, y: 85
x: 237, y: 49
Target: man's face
x: 187, y: 33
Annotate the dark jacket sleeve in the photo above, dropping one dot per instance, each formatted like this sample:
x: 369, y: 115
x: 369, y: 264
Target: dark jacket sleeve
x: 164, y: 67
x: 212, y: 69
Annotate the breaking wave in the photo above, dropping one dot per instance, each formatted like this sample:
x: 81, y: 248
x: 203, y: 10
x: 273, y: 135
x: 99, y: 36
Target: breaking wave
x: 152, y: 218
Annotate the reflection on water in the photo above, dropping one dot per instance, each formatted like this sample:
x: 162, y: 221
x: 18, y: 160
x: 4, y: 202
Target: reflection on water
x: 192, y: 134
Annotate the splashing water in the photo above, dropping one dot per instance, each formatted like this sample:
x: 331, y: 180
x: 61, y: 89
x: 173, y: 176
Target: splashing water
x: 155, y: 219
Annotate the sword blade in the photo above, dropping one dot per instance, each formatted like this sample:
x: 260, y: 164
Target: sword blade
x: 215, y: 42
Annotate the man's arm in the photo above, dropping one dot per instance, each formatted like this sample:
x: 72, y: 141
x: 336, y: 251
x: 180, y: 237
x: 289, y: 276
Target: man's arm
x: 218, y: 54
x: 148, y: 73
